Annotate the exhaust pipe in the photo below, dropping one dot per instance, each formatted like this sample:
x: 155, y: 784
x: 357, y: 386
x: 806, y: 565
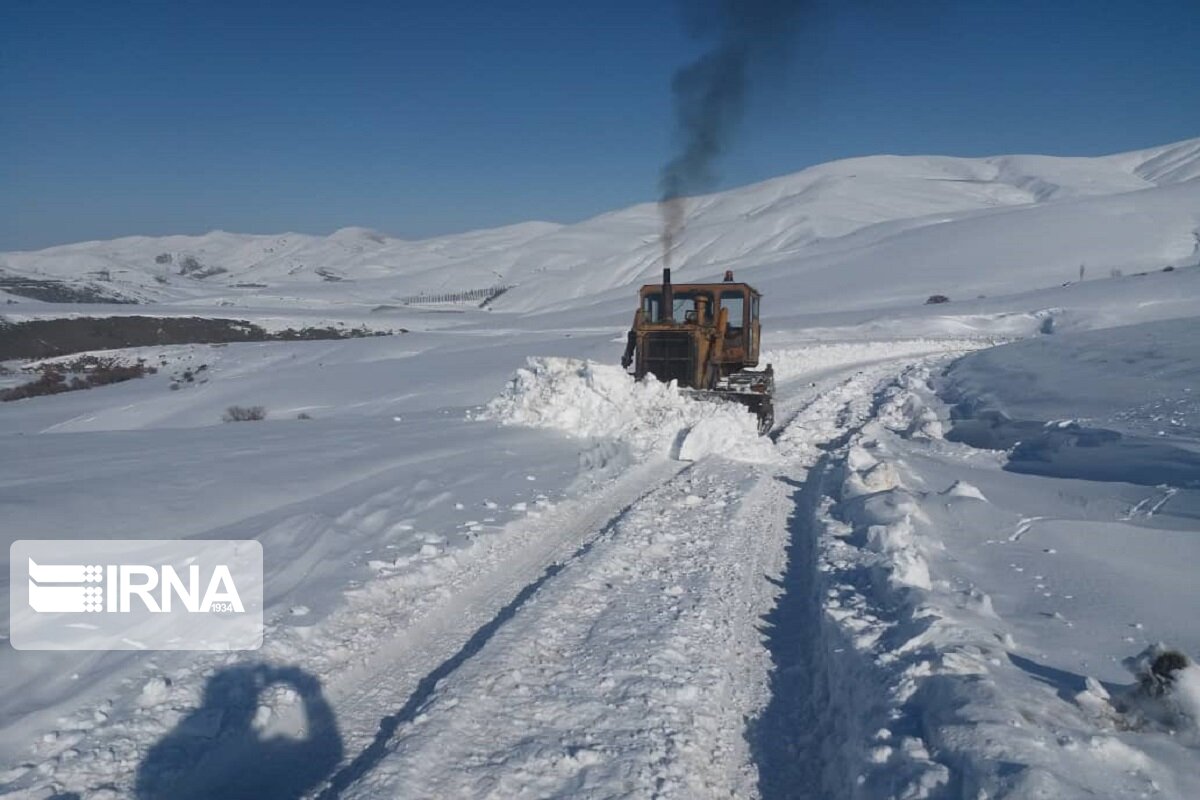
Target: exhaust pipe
x: 668, y: 297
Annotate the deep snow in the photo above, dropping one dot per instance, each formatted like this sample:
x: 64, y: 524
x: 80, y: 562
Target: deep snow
x: 499, y: 567
x: 968, y: 610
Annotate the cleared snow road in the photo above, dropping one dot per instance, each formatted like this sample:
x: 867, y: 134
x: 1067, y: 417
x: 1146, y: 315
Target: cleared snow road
x: 636, y: 666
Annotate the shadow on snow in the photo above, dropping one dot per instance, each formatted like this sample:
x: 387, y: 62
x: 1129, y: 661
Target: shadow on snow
x: 216, y: 751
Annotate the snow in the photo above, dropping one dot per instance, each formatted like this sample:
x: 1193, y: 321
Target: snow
x: 498, y: 566
x: 1141, y: 379
x: 586, y: 399
x: 984, y: 643
x: 637, y: 626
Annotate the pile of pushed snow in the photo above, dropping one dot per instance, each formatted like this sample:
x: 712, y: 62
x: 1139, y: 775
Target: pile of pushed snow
x: 590, y: 400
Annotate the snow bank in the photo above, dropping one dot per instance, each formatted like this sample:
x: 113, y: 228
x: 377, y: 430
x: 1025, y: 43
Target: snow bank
x: 589, y: 400
x: 1116, y: 405
x: 955, y: 625
x: 1139, y: 379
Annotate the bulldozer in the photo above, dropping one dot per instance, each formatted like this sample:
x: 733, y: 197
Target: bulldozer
x: 706, y: 337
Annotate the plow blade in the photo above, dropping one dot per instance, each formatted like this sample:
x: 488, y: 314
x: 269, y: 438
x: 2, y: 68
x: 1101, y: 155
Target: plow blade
x: 753, y: 389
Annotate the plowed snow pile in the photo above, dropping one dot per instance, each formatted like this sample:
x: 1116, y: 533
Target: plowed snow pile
x: 590, y: 400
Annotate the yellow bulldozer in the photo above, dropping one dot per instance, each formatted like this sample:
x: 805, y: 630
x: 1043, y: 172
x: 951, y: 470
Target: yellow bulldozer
x: 706, y: 337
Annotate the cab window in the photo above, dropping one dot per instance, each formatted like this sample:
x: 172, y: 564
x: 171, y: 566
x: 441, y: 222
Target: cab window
x: 735, y: 304
x: 652, y: 307
x: 684, y: 306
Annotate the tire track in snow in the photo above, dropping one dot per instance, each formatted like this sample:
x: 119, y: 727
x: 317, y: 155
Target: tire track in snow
x: 628, y: 675
x: 426, y: 686
x: 394, y: 669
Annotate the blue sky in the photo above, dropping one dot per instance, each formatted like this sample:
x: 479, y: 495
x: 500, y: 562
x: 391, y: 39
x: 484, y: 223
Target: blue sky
x: 133, y: 117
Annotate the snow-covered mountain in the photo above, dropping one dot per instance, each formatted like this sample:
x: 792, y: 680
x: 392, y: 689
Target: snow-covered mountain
x: 838, y: 225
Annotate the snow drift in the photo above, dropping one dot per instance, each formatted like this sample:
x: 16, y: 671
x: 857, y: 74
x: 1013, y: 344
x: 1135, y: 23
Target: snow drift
x: 589, y: 400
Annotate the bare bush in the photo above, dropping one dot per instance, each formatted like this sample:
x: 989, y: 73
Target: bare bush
x: 85, y: 372
x: 189, y: 264
x: 50, y: 382
x: 244, y: 414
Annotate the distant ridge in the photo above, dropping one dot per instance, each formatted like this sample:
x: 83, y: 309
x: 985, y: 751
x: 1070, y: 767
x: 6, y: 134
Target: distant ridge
x: 842, y: 216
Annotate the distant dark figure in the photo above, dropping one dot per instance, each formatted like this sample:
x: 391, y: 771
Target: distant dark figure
x: 215, y: 751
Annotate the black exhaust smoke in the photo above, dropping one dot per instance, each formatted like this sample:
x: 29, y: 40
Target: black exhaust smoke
x: 709, y: 94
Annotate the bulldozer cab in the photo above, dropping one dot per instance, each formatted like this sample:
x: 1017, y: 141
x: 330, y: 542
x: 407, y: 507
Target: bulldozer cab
x: 695, y: 333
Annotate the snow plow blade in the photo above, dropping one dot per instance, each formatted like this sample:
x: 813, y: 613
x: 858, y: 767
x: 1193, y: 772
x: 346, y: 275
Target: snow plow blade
x: 754, y: 390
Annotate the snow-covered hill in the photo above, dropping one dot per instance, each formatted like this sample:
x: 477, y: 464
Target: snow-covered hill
x: 953, y: 226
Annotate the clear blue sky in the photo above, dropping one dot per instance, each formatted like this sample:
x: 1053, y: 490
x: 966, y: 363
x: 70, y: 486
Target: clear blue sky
x: 174, y: 116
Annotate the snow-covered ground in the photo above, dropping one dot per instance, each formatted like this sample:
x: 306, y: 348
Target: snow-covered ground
x: 498, y: 567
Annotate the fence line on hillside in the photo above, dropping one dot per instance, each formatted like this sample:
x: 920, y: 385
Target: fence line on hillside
x: 480, y: 296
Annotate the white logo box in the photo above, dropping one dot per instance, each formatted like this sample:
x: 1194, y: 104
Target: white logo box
x: 136, y: 594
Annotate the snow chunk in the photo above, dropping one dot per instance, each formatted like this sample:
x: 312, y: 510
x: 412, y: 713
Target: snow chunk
x: 882, y: 477
x: 154, y: 692
x: 733, y: 436
x: 858, y: 459
x: 1187, y: 693
x: 896, y: 540
x: 961, y: 488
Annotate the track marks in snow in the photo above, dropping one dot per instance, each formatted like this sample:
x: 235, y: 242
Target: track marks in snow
x: 436, y: 638
x: 1151, y: 505
x: 1023, y: 527
x: 371, y: 652
x: 892, y: 680
x: 632, y: 669
x: 806, y: 738
x: 425, y: 688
